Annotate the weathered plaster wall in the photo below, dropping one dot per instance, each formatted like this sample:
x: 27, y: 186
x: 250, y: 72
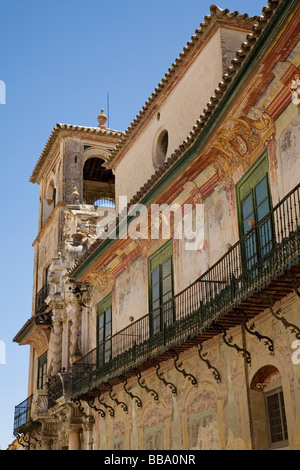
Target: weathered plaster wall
x: 287, y: 149
x: 179, y: 111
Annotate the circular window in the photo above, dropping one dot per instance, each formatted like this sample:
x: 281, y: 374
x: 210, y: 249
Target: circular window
x: 161, y: 148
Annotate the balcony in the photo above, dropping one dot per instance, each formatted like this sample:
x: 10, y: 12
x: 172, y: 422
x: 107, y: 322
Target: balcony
x: 260, y: 269
x: 40, y: 305
x: 59, y: 389
x: 22, y: 415
x: 28, y: 419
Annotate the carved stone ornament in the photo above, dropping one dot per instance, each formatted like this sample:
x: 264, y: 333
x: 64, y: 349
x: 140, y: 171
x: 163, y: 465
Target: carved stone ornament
x: 295, y: 90
x: 102, y: 279
x: 39, y: 403
x: 237, y: 143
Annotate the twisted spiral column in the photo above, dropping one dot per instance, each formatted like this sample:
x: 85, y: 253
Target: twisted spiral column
x: 75, y: 332
x: 56, y: 346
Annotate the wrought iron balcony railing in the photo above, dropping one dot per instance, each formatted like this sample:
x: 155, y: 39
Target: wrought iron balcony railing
x: 40, y: 298
x: 268, y: 250
x: 55, y: 390
x: 22, y: 414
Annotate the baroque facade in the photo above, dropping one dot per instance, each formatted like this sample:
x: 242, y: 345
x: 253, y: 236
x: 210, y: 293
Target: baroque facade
x: 147, y: 336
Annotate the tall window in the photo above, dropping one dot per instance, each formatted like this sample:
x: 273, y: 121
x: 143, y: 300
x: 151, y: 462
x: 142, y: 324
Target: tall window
x: 161, y: 288
x: 276, y: 417
x: 42, y: 371
x: 254, y: 203
x: 104, y: 331
x: 270, y: 427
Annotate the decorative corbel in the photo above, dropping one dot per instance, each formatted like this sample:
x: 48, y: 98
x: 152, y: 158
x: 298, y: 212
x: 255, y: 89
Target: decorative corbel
x: 111, y: 411
x: 142, y: 384
x: 267, y: 341
x: 229, y: 342
x: 203, y: 357
x: 114, y: 399
x: 178, y: 366
x: 129, y: 393
x: 90, y: 402
x: 160, y: 376
x: 278, y: 315
x: 78, y: 402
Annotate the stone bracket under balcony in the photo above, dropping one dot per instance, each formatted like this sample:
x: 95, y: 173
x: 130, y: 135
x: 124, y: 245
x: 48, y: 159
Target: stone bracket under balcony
x: 36, y: 332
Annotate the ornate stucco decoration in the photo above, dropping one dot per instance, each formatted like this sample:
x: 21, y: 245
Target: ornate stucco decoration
x: 237, y: 143
x: 39, y: 339
x: 295, y: 90
x: 102, y: 278
x: 39, y: 403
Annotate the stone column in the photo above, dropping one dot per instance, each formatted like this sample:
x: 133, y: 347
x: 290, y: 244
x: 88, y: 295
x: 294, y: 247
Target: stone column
x: 74, y: 437
x: 75, y: 336
x: 56, y: 339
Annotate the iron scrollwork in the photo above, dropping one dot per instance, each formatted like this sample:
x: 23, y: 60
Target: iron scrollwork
x: 77, y: 402
x: 203, y: 357
x: 91, y: 403
x: 132, y: 396
x: 106, y: 406
x: 267, y: 341
x: 244, y: 353
x: 114, y: 398
x: 160, y: 376
x: 279, y: 316
x: 178, y: 366
x: 143, y: 385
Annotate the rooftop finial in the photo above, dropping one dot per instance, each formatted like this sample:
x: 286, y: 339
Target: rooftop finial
x: 102, y: 118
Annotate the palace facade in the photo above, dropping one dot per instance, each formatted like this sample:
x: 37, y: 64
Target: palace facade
x: 167, y: 262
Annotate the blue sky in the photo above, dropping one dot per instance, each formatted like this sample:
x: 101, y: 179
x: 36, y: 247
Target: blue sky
x: 59, y: 60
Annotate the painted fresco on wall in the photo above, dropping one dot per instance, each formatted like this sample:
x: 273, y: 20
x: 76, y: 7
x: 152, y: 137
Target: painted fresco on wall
x: 132, y: 293
x: 289, y: 149
x: 119, y: 444
x: 153, y: 438
x: 204, y: 432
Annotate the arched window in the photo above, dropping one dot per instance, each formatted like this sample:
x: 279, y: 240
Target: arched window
x: 268, y: 409
x: 95, y: 171
x: 106, y: 203
x: 51, y: 194
x: 161, y: 148
x: 98, y: 183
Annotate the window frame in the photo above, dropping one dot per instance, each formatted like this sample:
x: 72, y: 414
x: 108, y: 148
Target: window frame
x: 156, y: 260
x: 102, y: 309
x: 42, y: 371
x: 245, y: 186
x: 283, y: 421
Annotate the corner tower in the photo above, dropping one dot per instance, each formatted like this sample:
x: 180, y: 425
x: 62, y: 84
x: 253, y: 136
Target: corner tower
x: 76, y: 191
